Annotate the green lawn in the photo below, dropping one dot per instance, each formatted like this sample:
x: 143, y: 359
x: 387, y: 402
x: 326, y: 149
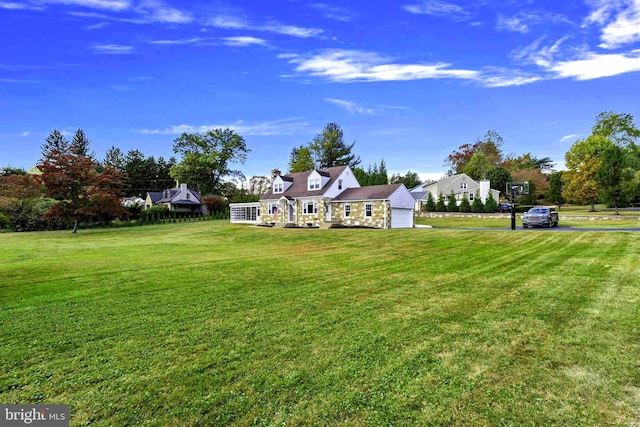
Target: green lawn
x: 214, y: 324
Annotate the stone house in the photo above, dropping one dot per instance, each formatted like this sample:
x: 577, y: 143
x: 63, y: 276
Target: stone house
x: 331, y: 196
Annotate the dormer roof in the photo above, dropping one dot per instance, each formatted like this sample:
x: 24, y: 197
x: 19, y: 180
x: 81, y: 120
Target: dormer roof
x: 299, y: 187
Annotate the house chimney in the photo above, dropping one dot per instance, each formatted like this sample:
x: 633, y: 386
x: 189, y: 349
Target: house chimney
x: 183, y: 188
x: 485, y: 188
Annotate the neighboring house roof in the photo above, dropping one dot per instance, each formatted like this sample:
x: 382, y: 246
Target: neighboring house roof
x: 299, y: 187
x: 447, y: 184
x: 172, y: 196
x: 418, y: 194
x: 155, y: 197
x: 372, y: 192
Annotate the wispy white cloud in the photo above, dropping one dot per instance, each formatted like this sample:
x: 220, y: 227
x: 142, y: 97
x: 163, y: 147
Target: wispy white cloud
x: 237, y: 41
x: 570, y: 137
x: 243, y: 41
x: 157, y: 11
x: 140, y: 12
x: 523, y: 21
x: 240, y: 23
x: 193, y: 41
x: 113, y: 49
x: 112, y: 5
x: 593, y: 65
x: 332, y: 12
x: 624, y: 28
x: 351, y: 107
x: 96, y: 26
x: 19, y: 6
x: 438, y: 8
x: 266, y: 128
x: 351, y: 65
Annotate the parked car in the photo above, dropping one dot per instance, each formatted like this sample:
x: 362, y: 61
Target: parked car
x: 504, y: 207
x: 540, y: 216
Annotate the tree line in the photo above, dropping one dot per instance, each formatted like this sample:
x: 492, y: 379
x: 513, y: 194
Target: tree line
x: 71, y: 185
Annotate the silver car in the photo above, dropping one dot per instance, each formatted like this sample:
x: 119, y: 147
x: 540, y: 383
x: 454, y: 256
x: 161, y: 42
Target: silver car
x: 540, y: 216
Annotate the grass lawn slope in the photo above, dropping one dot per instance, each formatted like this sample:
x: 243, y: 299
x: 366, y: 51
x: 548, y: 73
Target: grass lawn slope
x: 215, y: 324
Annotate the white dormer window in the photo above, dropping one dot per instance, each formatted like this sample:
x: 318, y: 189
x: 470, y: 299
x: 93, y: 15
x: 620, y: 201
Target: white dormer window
x: 314, y: 183
x: 278, y: 187
x: 463, y: 185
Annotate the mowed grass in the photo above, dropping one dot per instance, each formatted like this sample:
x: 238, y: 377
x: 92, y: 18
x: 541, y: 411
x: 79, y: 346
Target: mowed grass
x: 570, y: 219
x: 215, y: 324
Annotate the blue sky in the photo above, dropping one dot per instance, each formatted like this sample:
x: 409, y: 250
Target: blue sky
x: 408, y: 80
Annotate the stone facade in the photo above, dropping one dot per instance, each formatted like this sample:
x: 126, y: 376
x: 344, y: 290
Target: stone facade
x: 380, y: 212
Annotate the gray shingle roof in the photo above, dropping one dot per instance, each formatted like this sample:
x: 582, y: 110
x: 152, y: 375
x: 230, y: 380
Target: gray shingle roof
x: 299, y: 188
x: 372, y: 192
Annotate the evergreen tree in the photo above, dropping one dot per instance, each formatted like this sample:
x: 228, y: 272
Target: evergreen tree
x: 452, y: 205
x: 465, y: 206
x: 491, y: 205
x: 440, y: 205
x: 300, y: 160
x: 430, y: 205
x: 54, y: 142
x: 477, y: 205
x: 554, y: 195
x: 80, y: 144
x: 329, y: 148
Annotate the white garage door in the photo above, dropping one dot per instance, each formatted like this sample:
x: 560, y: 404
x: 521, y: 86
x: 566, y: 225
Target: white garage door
x: 401, y: 218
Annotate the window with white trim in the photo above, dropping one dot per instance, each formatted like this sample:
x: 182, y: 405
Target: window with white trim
x: 368, y: 210
x: 272, y: 208
x: 339, y: 184
x: 471, y: 195
x: 310, y: 207
x: 314, y: 183
x: 463, y: 185
x: 347, y: 210
x: 278, y: 187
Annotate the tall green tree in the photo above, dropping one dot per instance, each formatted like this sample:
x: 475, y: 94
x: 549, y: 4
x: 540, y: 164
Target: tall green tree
x: 615, y: 180
x: 441, y: 206
x: 490, y: 205
x: 498, y: 177
x: 477, y: 205
x: 329, y: 149
x: 617, y: 127
x: 410, y: 179
x: 114, y: 157
x: 430, y: 205
x: 452, y: 205
x: 80, y: 143
x: 582, y: 161
x: 207, y: 159
x: 554, y: 195
x: 300, y: 160
x: 55, y: 141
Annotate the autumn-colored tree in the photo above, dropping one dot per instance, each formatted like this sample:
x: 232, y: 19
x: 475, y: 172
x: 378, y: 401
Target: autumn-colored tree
x: 583, y: 162
x: 80, y: 191
x: 490, y: 145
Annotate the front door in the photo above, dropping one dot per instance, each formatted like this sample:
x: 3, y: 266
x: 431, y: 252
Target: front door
x: 328, y: 214
x: 291, y: 210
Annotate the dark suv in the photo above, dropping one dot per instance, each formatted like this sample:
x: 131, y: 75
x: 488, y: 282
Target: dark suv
x: 504, y: 207
x: 540, y: 216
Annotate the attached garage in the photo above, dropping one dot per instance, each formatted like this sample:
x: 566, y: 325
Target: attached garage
x: 401, y: 218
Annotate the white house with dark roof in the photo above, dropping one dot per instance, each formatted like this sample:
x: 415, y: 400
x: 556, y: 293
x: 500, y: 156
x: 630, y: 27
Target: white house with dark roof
x: 327, y: 197
x: 461, y: 185
x: 181, y: 199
